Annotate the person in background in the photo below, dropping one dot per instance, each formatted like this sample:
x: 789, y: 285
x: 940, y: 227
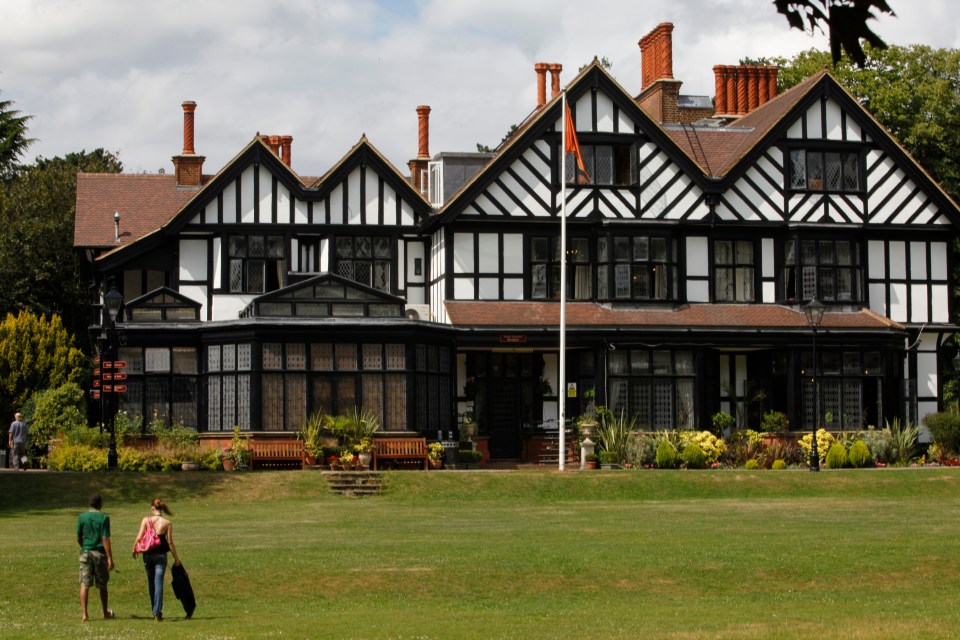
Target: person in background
x: 96, y: 557
x: 17, y: 440
x: 155, y: 560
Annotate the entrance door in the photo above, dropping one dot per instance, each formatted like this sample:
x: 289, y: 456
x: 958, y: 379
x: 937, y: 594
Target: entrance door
x: 503, y: 418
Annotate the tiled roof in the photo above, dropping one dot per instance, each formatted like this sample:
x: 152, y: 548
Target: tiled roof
x: 724, y: 147
x: 144, y: 201
x: 706, y: 316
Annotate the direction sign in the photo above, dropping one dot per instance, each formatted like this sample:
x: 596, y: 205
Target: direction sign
x: 119, y: 364
x: 108, y: 388
x: 107, y: 376
x: 96, y: 395
x: 119, y: 376
x: 96, y: 383
x: 119, y: 388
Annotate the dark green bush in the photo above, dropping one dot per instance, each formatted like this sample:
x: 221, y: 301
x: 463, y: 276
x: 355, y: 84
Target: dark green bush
x: 609, y: 457
x: 694, y: 457
x: 837, y: 456
x: 666, y: 455
x: 469, y: 455
x: 859, y: 455
x: 945, y: 429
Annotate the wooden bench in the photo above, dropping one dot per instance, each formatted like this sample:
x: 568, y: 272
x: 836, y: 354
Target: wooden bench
x: 399, y: 450
x: 277, y: 454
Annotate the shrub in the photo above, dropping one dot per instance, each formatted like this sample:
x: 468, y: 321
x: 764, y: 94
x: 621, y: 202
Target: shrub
x: 609, y: 457
x: 613, y: 434
x: 666, y: 455
x: 775, y: 421
x: 859, y: 455
x: 641, y: 449
x: 837, y: 456
x: 711, y: 446
x: 751, y: 464
x: 945, y: 429
x: 880, y: 444
x: 903, y: 439
x: 130, y: 459
x: 785, y: 450
x: 825, y: 440
x: 778, y: 465
x: 721, y: 421
x: 210, y: 460
x: 469, y: 455
x: 77, y: 457
x: 693, y: 456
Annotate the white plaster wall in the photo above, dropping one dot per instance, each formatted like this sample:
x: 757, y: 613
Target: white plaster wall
x: 229, y: 204
x: 489, y: 253
x: 463, y: 289
x: 698, y: 256
x: 513, y: 289
x: 513, y: 253
x: 463, y: 254
x: 193, y: 260
x: 246, y: 196
x: 228, y: 307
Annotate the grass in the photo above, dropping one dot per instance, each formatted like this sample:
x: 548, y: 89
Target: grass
x: 528, y: 554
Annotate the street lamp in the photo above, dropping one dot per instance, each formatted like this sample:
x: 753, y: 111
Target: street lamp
x: 112, y: 301
x: 814, y: 312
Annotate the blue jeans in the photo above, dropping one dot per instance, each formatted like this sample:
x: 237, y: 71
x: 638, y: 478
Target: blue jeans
x: 155, y: 565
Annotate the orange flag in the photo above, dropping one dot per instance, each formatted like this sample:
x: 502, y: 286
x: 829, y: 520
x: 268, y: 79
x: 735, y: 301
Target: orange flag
x: 572, y: 145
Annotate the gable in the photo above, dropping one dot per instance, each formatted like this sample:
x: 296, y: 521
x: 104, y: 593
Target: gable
x: 892, y: 189
x: 520, y: 182
x: 326, y: 296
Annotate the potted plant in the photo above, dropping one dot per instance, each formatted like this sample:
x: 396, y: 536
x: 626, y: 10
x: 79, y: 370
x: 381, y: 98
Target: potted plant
x: 311, y: 432
x: 609, y: 460
x: 590, y: 461
x: 237, y: 455
x: 363, y: 451
x: 435, y: 453
x: 468, y: 430
x: 466, y: 457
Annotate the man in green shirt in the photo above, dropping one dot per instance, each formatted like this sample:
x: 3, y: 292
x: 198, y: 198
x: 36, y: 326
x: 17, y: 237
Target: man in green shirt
x: 96, y: 558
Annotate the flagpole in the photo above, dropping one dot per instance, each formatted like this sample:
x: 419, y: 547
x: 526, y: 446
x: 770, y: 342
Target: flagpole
x: 562, y: 377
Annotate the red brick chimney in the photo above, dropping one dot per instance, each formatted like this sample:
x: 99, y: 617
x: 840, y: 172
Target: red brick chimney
x: 555, y: 70
x: 541, y: 69
x: 286, y: 142
x: 659, y: 92
x: 188, y: 166
x: 743, y: 88
x: 418, y: 166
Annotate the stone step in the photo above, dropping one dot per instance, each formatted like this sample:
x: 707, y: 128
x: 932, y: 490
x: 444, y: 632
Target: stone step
x: 354, y: 483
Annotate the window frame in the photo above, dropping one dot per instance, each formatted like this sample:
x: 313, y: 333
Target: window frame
x: 850, y: 162
x: 734, y: 267
x: 813, y: 253
x: 239, y: 266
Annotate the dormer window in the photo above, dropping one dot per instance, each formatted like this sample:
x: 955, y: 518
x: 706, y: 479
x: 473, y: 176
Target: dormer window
x: 830, y: 171
x: 257, y: 263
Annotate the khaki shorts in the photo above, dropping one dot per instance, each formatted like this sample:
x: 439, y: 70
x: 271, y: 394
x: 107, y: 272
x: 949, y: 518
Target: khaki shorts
x: 93, y: 569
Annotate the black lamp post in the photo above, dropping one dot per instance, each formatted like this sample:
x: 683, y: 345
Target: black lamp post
x: 814, y: 312
x: 112, y: 301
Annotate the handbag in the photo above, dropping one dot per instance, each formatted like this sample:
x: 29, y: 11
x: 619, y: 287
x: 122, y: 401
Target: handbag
x: 149, y: 541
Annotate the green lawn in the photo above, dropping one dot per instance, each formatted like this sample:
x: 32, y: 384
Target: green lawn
x: 527, y: 554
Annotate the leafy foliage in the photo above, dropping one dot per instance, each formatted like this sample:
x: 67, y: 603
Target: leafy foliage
x: 693, y: 456
x: 13, y: 137
x: 945, y: 429
x: 903, y: 440
x: 859, y: 455
x: 57, y: 410
x: 845, y: 19
x: 39, y: 270
x: 667, y: 456
x: 837, y: 456
x: 36, y: 354
x: 614, y: 434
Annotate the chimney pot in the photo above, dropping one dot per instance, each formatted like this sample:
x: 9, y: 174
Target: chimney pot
x: 720, y: 83
x: 423, y: 126
x: 541, y: 69
x: 189, y: 106
x: 286, y: 143
x: 555, y: 70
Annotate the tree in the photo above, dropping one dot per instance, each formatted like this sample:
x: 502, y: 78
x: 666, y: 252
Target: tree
x: 36, y: 353
x: 13, y: 137
x: 845, y: 19
x: 39, y: 270
x: 913, y: 91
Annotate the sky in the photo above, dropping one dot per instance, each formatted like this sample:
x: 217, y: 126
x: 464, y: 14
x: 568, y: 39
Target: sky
x: 113, y: 73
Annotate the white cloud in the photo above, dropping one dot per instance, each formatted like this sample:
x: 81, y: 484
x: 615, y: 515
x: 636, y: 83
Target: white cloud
x: 113, y: 73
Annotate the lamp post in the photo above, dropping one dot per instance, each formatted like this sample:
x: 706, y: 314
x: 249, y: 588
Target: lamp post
x: 112, y: 301
x: 814, y: 313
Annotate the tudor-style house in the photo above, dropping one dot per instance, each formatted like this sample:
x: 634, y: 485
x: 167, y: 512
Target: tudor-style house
x: 701, y: 231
